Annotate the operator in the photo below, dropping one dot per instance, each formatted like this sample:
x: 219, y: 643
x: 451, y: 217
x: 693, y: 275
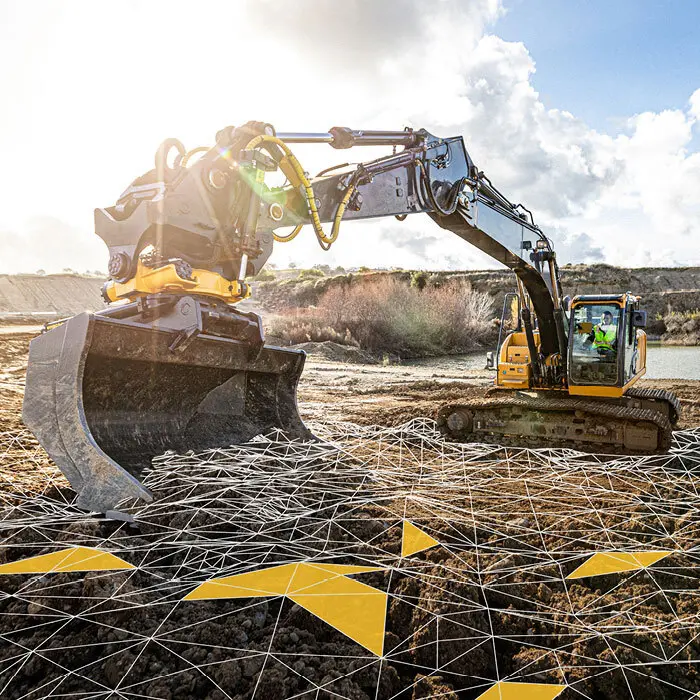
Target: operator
x: 604, y: 335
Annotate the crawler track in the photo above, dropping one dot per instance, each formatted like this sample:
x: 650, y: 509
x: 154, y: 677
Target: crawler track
x: 658, y: 398
x: 640, y: 422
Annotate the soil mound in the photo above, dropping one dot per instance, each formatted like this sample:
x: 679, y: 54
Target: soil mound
x: 24, y: 297
x: 336, y: 352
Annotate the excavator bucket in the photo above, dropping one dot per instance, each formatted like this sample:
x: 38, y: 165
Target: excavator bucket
x: 107, y: 392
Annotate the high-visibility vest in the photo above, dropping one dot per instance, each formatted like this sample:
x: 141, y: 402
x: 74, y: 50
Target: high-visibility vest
x: 605, y: 338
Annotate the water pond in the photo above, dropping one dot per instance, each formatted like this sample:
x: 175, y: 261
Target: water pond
x: 663, y: 362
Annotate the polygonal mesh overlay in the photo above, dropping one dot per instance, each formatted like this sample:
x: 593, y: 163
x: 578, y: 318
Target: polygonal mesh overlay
x: 487, y: 607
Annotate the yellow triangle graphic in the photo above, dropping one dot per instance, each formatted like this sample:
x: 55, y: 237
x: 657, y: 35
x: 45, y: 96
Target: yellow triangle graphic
x: 71, y: 559
x: 504, y: 690
x: 353, y: 608
x: 414, y: 540
x: 616, y: 562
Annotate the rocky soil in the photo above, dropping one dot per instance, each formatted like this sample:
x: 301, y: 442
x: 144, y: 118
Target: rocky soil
x: 235, y: 641
x: 683, y: 328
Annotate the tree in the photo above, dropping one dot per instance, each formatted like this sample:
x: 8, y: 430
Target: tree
x: 419, y: 279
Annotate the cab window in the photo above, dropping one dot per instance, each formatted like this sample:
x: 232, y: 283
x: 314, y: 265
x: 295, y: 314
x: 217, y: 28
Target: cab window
x: 594, y: 344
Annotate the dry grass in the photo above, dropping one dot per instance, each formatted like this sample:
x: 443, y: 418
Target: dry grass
x: 389, y: 316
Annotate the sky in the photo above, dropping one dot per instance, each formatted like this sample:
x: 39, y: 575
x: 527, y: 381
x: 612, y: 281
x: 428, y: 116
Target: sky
x: 588, y: 113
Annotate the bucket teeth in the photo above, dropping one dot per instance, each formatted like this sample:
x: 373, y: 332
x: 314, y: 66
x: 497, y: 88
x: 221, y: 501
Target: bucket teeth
x: 107, y: 392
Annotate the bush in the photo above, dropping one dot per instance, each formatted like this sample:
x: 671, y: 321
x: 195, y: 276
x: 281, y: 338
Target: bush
x: 311, y: 273
x: 419, y: 279
x: 388, y: 316
x: 303, y: 328
x: 265, y: 275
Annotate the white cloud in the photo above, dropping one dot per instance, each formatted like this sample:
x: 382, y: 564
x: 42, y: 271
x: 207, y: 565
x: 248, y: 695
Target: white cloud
x: 366, y: 39
x: 629, y: 198
x: 695, y: 104
x: 547, y: 158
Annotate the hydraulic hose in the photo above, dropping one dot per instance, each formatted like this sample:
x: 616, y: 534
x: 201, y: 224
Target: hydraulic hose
x: 456, y: 188
x: 289, y: 237
x: 292, y: 169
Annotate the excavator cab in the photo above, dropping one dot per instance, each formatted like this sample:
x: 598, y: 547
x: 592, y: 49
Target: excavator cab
x: 607, y: 346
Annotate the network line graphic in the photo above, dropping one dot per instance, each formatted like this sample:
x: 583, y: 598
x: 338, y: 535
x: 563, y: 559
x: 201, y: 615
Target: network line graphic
x: 375, y: 563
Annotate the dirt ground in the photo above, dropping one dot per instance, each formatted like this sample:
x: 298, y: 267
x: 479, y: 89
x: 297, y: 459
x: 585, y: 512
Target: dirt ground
x: 391, y: 395
x: 369, y: 394
x: 14, y: 343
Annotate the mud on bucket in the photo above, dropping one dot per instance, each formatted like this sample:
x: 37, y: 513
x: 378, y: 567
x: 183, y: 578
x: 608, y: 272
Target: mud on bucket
x: 107, y: 392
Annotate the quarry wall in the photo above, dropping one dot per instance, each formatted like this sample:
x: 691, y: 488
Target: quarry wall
x: 49, y: 295
x: 663, y: 290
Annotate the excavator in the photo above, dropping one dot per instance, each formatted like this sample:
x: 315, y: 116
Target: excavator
x: 172, y: 363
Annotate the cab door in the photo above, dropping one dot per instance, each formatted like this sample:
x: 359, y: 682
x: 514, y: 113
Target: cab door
x: 595, y: 345
x: 634, y: 358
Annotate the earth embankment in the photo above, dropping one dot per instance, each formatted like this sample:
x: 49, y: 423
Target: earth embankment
x: 27, y: 297
x: 663, y: 290
x: 671, y: 296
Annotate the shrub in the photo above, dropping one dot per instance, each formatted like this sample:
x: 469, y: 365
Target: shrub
x: 419, y: 279
x: 388, y: 316
x: 310, y: 273
x: 265, y: 275
x: 303, y: 328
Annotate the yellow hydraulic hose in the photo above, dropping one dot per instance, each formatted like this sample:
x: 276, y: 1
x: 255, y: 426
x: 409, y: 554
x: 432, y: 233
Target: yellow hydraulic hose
x: 292, y: 169
x: 186, y: 158
x: 290, y: 237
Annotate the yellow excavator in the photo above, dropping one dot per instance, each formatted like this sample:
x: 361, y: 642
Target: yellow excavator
x: 172, y: 364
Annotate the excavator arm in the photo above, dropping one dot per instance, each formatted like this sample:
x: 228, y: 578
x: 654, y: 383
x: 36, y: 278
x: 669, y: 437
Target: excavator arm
x: 438, y: 177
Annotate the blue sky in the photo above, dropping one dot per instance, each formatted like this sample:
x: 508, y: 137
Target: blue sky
x: 605, y: 60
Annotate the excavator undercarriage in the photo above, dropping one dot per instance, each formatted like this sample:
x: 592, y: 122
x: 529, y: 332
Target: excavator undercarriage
x: 640, y: 422
x: 173, y: 364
